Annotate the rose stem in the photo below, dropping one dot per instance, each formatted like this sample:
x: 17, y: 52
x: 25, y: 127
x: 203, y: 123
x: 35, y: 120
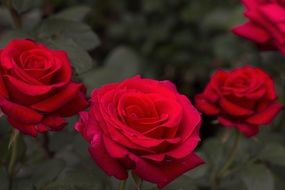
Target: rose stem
x: 13, y: 146
x: 45, y: 146
x: 123, y: 185
x: 220, y: 174
x: 14, y: 14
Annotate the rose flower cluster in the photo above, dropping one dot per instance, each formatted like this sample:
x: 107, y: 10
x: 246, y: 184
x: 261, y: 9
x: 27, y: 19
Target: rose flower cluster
x: 140, y: 125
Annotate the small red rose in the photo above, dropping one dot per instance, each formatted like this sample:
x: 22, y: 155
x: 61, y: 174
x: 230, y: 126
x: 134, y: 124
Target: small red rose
x: 243, y: 98
x: 142, y: 125
x: 266, y: 26
x: 36, y: 91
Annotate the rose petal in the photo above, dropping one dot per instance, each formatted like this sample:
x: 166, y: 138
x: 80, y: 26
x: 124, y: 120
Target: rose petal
x: 54, y: 122
x: 205, y: 106
x: 248, y: 130
x: 169, y: 85
x: 28, y: 129
x: 59, y: 99
x: 266, y: 116
x: 20, y: 113
x: 191, y: 121
x: 252, y: 32
x: 274, y: 12
x: 234, y: 109
x: 149, y: 171
x: 226, y: 122
x: 78, y: 103
x: 172, y: 170
x: 3, y: 90
x: 31, y: 90
x: 110, y: 165
x: 179, y: 152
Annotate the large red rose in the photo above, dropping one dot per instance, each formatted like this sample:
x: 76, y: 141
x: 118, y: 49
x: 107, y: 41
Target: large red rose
x: 266, y: 25
x: 36, y: 90
x: 243, y: 98
x: 142, y: 125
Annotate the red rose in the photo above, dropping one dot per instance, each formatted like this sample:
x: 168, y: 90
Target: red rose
x: 36, y: 90
x: 142, y: 125
x: 266, y: 26
x: 244, y: 98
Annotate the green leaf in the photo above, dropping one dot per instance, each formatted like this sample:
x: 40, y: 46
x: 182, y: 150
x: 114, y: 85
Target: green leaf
x: 274, y: 153
x: 85, y: 176
x: 25, y: 5
x: 5, y: 17
x: 122, y: 63
x: 76, y: 13
x: 3, y: 179
x: 46, y: 172
x: 80, y: 59
x: 227, y: 47
x: 198, y: 172
x: 257, y: 177
x: 217, y: 19
x: 79, y: 32
x: 13, y: 34
x: 182, y: 183
x: 4, y: 142
x: 214, y: 151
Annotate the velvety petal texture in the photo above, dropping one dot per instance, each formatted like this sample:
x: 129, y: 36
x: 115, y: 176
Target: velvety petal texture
x: 266, y: 24
x: 243, y: 98
x: 36, y: 91
x: 142, y: 125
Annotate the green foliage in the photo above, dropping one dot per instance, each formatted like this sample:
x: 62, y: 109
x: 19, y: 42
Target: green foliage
x: 179, y: 40
x: 120, y: 64
x: 76, y: 13
x: 25, y: 5
x: 256, y: 176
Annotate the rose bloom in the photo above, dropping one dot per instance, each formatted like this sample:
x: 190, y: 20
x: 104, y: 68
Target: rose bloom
x: 142, y: 125
x: 243, y: 98
x: 36, y: 90
x: 266, y: 26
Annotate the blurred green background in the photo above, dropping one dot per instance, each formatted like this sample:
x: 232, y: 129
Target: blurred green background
x: 184, y: 41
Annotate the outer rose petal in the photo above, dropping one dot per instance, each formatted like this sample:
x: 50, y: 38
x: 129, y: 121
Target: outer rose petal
x: 174, y: 169
x: 20, y: 113
x: 3, y: 90
x: 266, y: 116
x: 59, y: 99
x: 205, y: 106
x: 111, y: 166
x: 28, y: 129
x: 78, y: 103
x: 31, y: 90
x: 169, y: 85
x: 234, y: 109
x: 252, y: 32
x: 54, y: 122
x: 226, y: 122
x: 179, y: 152
x: 248, y: 130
